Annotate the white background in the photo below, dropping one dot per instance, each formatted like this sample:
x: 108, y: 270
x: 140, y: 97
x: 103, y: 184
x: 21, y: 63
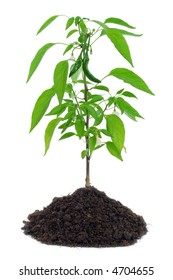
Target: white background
x: 29, y: 181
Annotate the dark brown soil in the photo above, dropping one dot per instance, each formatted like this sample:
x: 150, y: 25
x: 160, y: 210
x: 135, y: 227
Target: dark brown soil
x: 86, y: 218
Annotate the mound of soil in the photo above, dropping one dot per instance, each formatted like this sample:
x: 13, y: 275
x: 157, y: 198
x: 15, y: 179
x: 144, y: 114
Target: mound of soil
x: 86, y: 218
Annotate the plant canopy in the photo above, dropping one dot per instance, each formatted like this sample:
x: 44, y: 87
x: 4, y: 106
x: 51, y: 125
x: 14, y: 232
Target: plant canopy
x: 86, y: 107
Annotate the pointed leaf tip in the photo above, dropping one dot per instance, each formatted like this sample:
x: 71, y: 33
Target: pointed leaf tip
x: 46, y: 23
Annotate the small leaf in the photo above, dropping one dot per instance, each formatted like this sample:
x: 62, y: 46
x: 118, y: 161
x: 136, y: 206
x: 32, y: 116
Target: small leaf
x: 91, y: 111
x: 98, y: 120
x: 69, y: 88
x: 65, y: 125
x: 70, y: 114
x: 129, y: 94
x: 131, y: 78
x: 99, y: 146
x: 82, y: 38
x: 83, y: 154
x: 110, y: 101
x: 46, y: 23
x: 37, y: 59
x: 68, y: 48
x: 60, y: 79
x: 80, y: 127
x: 67, y: 135
x: 113, y: 150
x: 126, y: 108
x: 49, y: 132
x: 82, y: 26
x: 95, y: 98
x: 120, y: 91
x: 71, y: 32
x: 92, y: 144
x: 70, y: 21
x: 119, y: 22
x: 102, y: 88
x: 115, y: 127
x: 41, y: 106
x: 105, y: 132
x: 77, y: 20
x: 58, y: 110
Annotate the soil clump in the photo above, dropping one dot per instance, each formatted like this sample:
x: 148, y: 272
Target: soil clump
x: 86, y: 218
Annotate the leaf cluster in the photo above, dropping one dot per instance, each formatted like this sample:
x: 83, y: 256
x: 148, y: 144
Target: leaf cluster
x: 82, y: 98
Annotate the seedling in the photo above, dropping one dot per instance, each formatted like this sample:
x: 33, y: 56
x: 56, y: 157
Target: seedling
x: 86, y: 108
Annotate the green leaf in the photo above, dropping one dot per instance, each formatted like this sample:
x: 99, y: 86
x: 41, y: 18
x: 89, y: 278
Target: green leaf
x: 92, y: 143
x: 129, y: 94
x: 123, y: 32
x: 120, y: 43
x: 67, y: 124
x: 69, y: 88
x: 46, y: 23
x: 80, y: 127
x: 83, y: 154
x: 95, y: 98
x: 113, y: 150
x: 41, y: 106
x: 131, y: 78
x: 126, y: 108
x: 77, y: 20
x: 37, y: 59
x: 71, y: 32
x: 68, y: 48
x: 119, y: 22
x: 118, y: 40
x: 102, y: 88
x: 115, y: 127
x: 70, y: 21
x: 99, y: 146
x: 82, y: 26
x: 120, y: 91
x: 49, y: 132
x: 58, y: 110
x: 60, y: 79
x: 98, y: 120
x: 82, y: 38
x: 92, y: 111
x: 70, y: 114
x: 67, y: 135
x: 105, y: 132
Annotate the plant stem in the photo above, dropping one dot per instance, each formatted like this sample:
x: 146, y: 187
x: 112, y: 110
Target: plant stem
x: 87, y: 180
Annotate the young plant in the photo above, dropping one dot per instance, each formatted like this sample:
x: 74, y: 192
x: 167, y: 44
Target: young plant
x: 85, y: 106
